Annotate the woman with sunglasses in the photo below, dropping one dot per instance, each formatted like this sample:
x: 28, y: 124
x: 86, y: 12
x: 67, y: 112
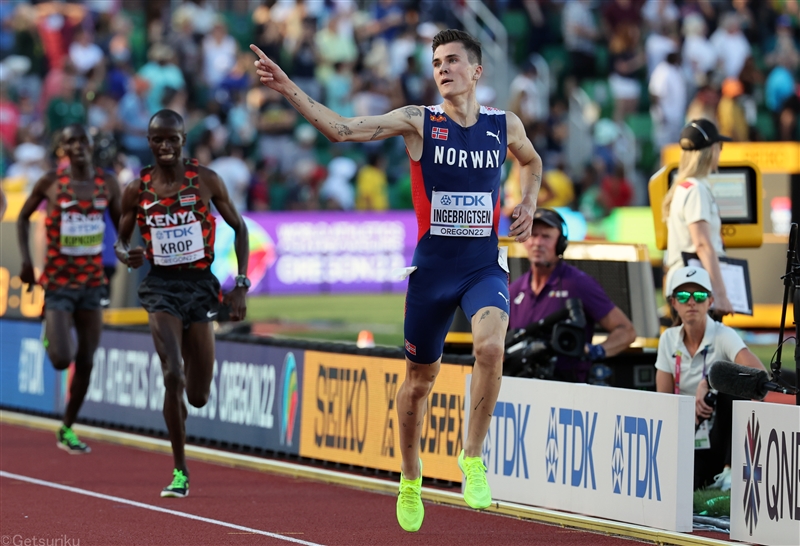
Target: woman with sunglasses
x: 692, y: 215
x: 685, y: 354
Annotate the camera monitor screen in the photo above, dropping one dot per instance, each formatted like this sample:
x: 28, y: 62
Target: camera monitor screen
x: 734, y: 192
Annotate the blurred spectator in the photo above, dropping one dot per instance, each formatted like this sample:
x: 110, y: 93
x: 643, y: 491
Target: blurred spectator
x: 782, y: 46
x: 779, y: 86
x: 133, y: 117
x: 241, y: 121
x: 557, y: 189
x: 699, y: 55
x: 276, y: 121
x: 238, y: 80
x: 102, y: 113
x: 188, y: 54
x: 29, y: 165
x: 333, y: 47
x: 387, y: 19
x: 372, y: 192
x: 730, y: 113
x: 580, y: 35
x: 618, y: 13
x: 589, y: 204
x: 662, y: 41
x: 339, y: 90
x: 704, y: 104
x: 668, y: 100
x: 787, y: 118
x: 201, y: 14
x: 84, y: 53
x: 161, y: 72
x: 412, y: 83
x: 731, y: 44
x: 219, y: 55
x: 627, y: 58
x: 9, y: 115
x: 66, y: 108
x: 528, y: 96
x: 660, y: 13
x: 615, y: 190
x: 235, y: 174
x: 337, y: 192
x: 259, y: 199
x: 302, y: 193
x: 303, y: 54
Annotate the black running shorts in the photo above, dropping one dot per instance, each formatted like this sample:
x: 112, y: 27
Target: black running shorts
x: 191, y: 295
x: 85, y: 298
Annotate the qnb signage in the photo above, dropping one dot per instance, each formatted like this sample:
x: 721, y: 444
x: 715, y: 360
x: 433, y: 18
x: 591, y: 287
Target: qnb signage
x: 580, y: 448
x: 765, y: 471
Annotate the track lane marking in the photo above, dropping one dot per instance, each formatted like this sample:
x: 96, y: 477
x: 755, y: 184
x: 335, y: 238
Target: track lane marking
x: 69, y: 489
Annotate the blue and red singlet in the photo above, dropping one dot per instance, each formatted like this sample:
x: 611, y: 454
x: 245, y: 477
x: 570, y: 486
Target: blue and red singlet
x: 455, y: 189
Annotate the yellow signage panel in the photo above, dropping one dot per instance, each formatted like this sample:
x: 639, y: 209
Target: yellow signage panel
x: 770, y: 157
x: 349, y: 414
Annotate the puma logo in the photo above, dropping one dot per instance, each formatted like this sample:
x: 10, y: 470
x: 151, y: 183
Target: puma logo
x: 497, y: 136
x: 504, y: 297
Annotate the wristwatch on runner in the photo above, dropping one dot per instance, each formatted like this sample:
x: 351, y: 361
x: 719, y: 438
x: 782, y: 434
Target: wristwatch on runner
x: 242, y: 282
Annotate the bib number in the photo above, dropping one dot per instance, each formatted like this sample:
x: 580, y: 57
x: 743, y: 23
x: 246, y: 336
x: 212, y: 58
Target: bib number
x: 81, y: 235
x: 462, y: 214
x: 177, y: 244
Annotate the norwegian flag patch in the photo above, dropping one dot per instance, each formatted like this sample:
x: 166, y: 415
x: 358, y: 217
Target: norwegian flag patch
x: 188, y: 200
x: 411, y: 348
x: 100, y: 203
x: 439, y: 133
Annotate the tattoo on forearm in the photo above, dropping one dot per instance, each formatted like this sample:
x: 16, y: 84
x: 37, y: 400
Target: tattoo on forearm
x: 311, y: 101
x: 484, y: 315
x: 342, y: 129
x: 377, y: 132
x: 412, y: 112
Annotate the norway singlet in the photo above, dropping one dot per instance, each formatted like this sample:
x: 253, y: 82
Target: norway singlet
x: 75, y: 237
x: 455, y: 190
x: 179, y: 230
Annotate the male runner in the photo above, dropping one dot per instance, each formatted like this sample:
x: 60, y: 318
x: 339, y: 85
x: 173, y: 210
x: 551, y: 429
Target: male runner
x: 170, y: 202
x: 75, y: 285
x: 456, y: 150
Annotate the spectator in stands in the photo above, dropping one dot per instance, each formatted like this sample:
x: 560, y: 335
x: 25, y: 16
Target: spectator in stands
x: 66, y: 108
x: 337, y: 192
x: 220, y: 52
x: 413, y: 83
x: 667, y: 100
x: 333, y: 47
x: 580, y: 35
x: 304, y: 55
x: 29, y: 165
x: 161, y: 72
x: 627, y: 59
x: 133, y: 117
x: 275, y: 128
x: 731, y: 114
x: 660, y: 13
x: 779, y: 87
x: 731, y: 45
x: 543, y: 290
x: 704, y: 104
x: 615, y: 190
x: 782, y: 47
x: 686, y: 352
x: 589, y: 198
x: 84, y: 53
x: 372, y: 190
x: 618, y: 13
x: 662, y: 41
x: 528, y: 97
x: 9, y: 114
x: 699, y: 56
x: 690, y: 210
x: 556, y: 190
x: 787, y: 118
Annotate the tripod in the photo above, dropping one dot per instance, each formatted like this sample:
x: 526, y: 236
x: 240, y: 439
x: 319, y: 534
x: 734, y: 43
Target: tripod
x: 791, y: 282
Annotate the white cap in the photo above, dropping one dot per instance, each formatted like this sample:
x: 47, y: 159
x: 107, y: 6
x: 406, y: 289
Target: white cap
x: 686, y: 275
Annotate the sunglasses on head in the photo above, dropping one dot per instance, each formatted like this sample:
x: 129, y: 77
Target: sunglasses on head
x: 683, y: 297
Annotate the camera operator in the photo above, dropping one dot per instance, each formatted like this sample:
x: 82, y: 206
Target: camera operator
x: 685, y: 354
x: 548, y: 285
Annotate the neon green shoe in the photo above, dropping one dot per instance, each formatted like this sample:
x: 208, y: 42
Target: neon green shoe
x: 476, y: 492
x: 179, y: 488
x: 410, y: 510
x: 67, y: 440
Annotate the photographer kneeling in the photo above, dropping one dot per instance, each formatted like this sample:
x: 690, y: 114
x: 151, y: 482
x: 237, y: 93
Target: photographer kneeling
x: 685, y: 354
x: 547, y: 288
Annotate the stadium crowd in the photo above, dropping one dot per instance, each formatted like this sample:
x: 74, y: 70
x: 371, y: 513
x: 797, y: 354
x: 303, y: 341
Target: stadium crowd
x: 647, y: 64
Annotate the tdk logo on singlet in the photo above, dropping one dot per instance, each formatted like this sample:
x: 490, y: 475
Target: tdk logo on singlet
x: 464, y: 200
x: 636, y: 439
x: 476, y: 159
x: 166, y: 220
x: 577, y: 441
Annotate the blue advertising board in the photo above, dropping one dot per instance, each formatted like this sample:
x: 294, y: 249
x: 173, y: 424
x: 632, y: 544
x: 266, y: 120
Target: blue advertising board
x: 27, y: 379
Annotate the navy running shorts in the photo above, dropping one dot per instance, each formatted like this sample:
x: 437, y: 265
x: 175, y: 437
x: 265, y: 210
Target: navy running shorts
x: 191, y: 295
x: 85, y: 298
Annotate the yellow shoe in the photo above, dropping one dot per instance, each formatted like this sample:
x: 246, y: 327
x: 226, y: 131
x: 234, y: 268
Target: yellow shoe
x: 410, y: 510
x: 476, y: 493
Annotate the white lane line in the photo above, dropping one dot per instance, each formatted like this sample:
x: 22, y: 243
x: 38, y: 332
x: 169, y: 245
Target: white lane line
x: 120, y: 500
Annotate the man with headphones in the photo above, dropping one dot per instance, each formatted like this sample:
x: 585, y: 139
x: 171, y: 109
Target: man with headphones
x: 550, y: 282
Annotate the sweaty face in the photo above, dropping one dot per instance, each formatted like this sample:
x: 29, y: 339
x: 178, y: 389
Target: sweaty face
x: 166, y: 142
x: 452, y: 70
x: 77, y: 144
x: 541, y: 245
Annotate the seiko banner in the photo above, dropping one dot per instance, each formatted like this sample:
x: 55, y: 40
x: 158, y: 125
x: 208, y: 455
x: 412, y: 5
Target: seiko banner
x: 349, y: 414
x: 765, y: 473
x: 620, y: 454
x: 27, y: 379
x: 254, y: 399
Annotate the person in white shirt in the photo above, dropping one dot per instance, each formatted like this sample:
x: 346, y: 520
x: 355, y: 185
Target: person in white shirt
x: 690, y: 211
x: 699, y: 56
x: 686, y: 353
x: 731, y: 45
x: 668, y: 104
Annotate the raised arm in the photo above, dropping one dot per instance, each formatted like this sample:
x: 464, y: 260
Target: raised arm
x: 38, y: 195
x: 241, y: 243
x: 132, y: 257
x: 530, y: 177
x: 406, y: 121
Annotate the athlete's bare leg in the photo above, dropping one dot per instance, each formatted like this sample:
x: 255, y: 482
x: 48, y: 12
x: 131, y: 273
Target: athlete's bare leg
x: 412, y: 403
x: 198, y: 362
x: 89, y: 327
x: 58, y: 333
x: 489, y: 327
x: 168, y: 335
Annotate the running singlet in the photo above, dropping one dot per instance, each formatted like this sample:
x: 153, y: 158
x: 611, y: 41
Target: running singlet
x: 75, y: 237
x: 455, y: 188
x: 179, y: 230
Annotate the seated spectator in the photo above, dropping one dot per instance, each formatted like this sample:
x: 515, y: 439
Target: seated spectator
x: 668, y: 101
x: 84, y: 53
x: 704, y: 105
x: 731, y: 45
x: 372, y: 192
x: 133, y: 118
x: 782, y: 47
x: 627, y: 59
x: 699, y: 56
x: 580, y: 35
x: 731, y: 116
x: 161, y: 72
x: 685, y: 353
x: 544, y: 289
x: 615, y: 190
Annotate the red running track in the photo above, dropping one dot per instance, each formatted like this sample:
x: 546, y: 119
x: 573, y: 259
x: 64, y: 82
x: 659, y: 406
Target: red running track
x: 297, y: 509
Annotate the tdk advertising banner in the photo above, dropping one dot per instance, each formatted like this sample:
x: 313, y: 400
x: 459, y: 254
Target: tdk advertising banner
x: 765, y: 473
x: 620, y: 454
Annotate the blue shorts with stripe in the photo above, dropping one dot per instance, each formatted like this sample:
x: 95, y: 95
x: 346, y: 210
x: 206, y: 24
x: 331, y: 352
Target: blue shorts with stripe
x: 431, y: 301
